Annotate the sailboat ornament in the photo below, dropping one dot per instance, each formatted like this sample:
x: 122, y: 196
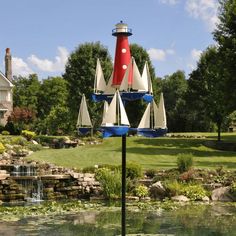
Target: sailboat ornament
x: 115, y: 121
x: 84, y: 124
x: 153, y: 123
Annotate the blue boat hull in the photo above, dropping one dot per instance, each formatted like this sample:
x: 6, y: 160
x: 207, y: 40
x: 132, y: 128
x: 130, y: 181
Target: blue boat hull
x: 83, y: 130
x: 151, y: 133
x: 125, y: 96
x: 108, y: 131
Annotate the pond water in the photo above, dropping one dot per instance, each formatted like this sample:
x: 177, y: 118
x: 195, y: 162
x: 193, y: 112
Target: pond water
x: 194, y: 220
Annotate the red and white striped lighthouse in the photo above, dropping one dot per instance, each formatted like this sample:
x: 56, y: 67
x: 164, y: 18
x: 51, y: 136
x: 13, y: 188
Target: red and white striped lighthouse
x: 122, y: 55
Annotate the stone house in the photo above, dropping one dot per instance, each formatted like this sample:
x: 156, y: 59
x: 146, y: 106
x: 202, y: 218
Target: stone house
x: 6, y: 87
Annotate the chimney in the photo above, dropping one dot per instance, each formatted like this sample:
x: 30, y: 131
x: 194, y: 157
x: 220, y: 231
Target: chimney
x: 8, y: 66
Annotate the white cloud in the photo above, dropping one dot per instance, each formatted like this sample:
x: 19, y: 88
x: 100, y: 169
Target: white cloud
x: 58, y: 65
x: 159, y: 54
x: 20, y: 67
x: 170, y: 51
x: 195, y: 54
x: 206, y: 10
x: 170, y: 2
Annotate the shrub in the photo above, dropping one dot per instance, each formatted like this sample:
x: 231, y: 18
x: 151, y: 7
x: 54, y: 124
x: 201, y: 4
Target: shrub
x: 89, y: 169
x: 110, y: 182
x: 35, y: 147
x: 5, y: 132
x: 29, y: 135
x: 2, y: 148
x: 133, y: 171
x: 233, y: 189
x: 173, y: 187
x: 194, y: 192
x: 141, y: 191
x: 187, y: 176
x: 151, y: 173
x: 184, y: 162
x: 19, y: 141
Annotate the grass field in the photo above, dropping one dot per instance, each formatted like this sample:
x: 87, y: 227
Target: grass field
x: 159, y: 153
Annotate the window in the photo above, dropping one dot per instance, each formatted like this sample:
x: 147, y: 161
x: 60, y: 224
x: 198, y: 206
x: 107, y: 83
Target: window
x: 4, y: 95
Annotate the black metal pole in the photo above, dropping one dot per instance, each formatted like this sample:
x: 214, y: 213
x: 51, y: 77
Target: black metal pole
x: 123, y: 200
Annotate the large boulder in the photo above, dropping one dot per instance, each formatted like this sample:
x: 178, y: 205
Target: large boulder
x: 157, y: 191
x: 180, y: 198
x: 222, y: 194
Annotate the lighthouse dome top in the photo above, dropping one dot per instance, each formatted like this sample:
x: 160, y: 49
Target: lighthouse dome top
x: 121, y: 29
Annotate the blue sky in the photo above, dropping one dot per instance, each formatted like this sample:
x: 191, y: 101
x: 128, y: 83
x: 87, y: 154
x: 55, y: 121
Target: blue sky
x: 41, y: 34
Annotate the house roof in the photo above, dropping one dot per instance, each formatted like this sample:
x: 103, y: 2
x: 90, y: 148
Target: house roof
x: 2, y: 76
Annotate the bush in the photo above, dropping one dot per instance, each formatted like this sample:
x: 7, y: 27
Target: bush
x: 110, y: 182
x: 34, y: 147
x: 133, y: 171
x: 173, y: 188
x: 5, y: 132
x: 141, y: 191
x: 184, y: 162
x: 194, y: 192
x: 29, y: 135
x: 19, y: 141
x: 89, y: 169
x: 233, y: 189
x: 2, y: 148
x: 151, y: 173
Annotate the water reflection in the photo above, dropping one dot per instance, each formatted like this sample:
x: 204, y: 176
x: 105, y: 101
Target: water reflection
x: 196, y: 220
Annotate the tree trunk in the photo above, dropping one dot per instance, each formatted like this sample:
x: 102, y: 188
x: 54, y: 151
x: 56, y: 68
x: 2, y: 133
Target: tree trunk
x: 219, y: 131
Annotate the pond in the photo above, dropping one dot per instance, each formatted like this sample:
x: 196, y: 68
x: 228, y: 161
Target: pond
x: 217, y: 220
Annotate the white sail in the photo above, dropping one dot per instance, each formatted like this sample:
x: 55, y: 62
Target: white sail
x: 115, y: 109
x: 145, y: 121
x: 146, y: 78
x: 160, y: 115
x: 137, y: 82
x: 83, y: 117
x: 124, y: 86
x: 110, y: 115
x: 109, y: 89
x: 99, y: 82
x: 123, y: 116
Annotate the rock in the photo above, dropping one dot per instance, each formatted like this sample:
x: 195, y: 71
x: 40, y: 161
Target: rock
x: 205, y: 199
x: 76, y: 175
x: 222, y: 194
x: 89, y: 175
x: 180, y: 198
x: 6, y: 155
x: 132, y: 198
x: 34, y: 142
x: 157, y: 190
x: 30, y: 152
x: 145, y: 199
x: 8, y: 146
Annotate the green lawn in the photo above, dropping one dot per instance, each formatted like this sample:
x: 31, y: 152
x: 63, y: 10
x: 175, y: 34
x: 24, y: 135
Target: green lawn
x: 160, y: 153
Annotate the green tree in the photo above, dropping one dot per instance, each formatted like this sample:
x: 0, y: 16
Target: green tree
x: 206, y: 88
x: 25, y: 92
x: 174, y: 88
x: 53, y: 92
x: 79, y: 74
x: 57, y: 121
x: 225, y: 35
